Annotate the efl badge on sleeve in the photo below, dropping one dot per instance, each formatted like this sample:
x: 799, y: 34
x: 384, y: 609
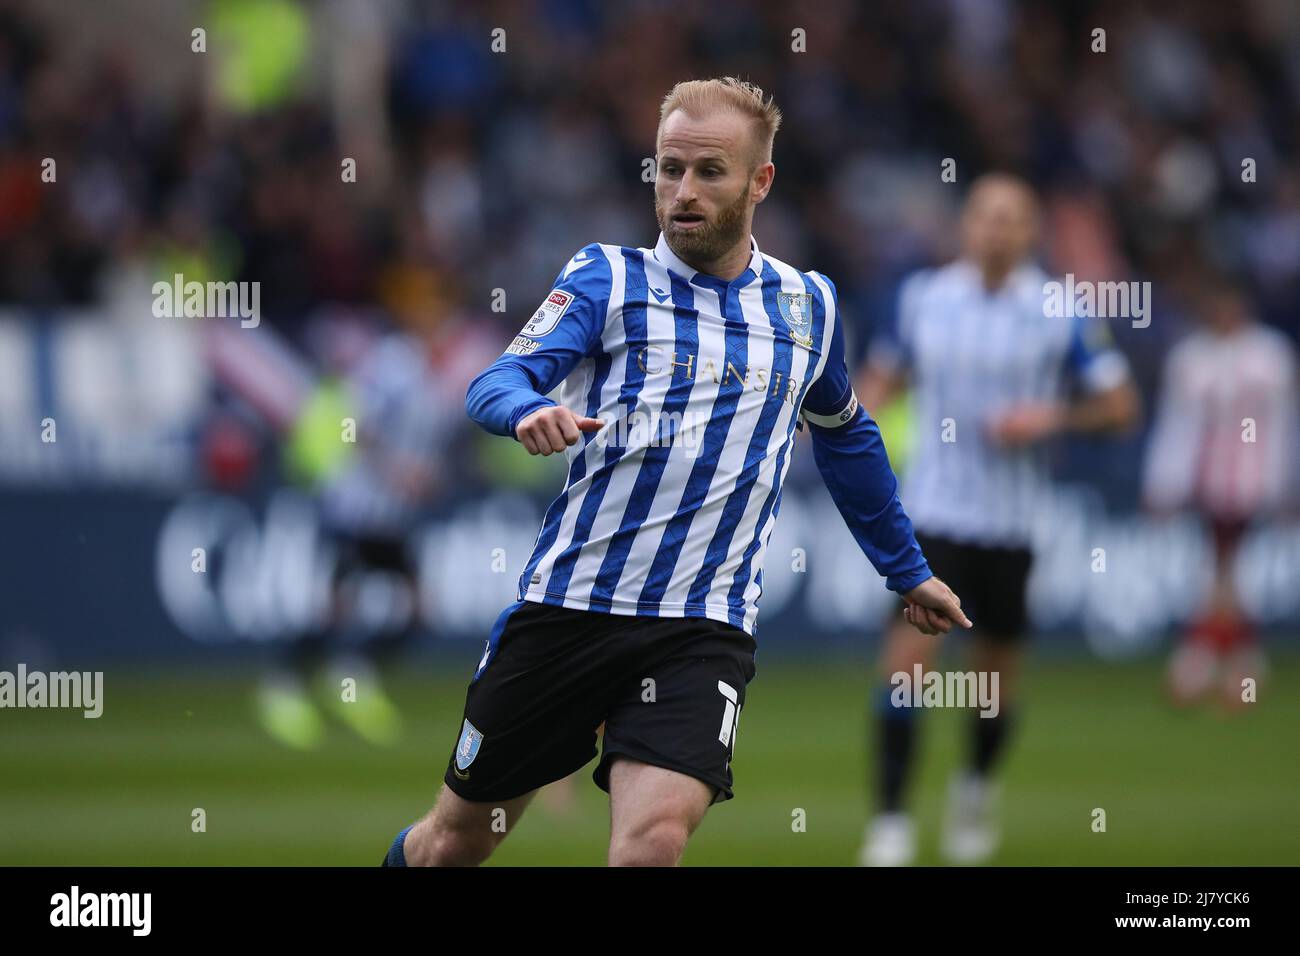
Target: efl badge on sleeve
x: 467, y: 749
x: 548, y: 313
x: 796, y: 309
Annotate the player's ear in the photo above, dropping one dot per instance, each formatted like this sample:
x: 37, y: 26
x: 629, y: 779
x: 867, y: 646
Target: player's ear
x: 761, y: 182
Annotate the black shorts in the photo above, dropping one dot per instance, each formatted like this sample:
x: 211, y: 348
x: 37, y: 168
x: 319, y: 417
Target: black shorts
x: 668, y: 690
x: 990, y: 582
x: 373, y: 553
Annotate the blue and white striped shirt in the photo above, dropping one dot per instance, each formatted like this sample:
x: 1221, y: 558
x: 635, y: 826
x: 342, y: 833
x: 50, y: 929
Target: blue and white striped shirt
x: 667, y: 510
x: 973, y: 354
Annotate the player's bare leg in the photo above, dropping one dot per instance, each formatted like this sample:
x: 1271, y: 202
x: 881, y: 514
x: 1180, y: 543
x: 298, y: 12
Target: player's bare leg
x: 560, y: 799
x: 906, y: 647
x: 1220, y: 647
x: 891, y: 836
x: 460, y: 832
x: 971, y: 830
x: 653, y: 812
x: 1002, y: 657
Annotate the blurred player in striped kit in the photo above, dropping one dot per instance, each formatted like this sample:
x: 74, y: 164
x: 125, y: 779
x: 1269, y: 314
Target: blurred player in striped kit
x: 397, y: 388
x: 988, y: 369
x: 1223, y: 446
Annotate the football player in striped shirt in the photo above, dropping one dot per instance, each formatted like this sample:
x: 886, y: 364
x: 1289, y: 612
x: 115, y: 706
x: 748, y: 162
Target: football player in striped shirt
x: 988, y: 366
x: 1223, y: 447
x: 684, y: 371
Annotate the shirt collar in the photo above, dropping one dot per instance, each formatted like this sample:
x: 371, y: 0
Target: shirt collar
x: 664, y: 253
x: 1026, y: 272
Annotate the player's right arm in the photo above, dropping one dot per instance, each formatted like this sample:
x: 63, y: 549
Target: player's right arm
x: 509, y: 398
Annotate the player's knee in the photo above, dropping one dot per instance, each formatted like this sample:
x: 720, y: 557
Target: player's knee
x: 658, y: 843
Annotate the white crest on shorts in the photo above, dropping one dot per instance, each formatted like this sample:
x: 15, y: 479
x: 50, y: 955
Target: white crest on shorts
x: 467, y: 749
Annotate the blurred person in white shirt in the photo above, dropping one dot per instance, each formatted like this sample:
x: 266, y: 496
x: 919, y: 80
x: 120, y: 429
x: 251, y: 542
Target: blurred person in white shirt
x: 1223, y: 447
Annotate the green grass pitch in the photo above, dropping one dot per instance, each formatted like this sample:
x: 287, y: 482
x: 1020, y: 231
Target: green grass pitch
x: 1178, y: 788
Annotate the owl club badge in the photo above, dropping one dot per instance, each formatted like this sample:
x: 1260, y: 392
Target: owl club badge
x: 796, y: 309
x: 467, y: 749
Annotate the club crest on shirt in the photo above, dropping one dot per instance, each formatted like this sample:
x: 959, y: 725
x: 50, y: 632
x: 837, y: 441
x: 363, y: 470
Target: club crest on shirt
x: 467, y: 748
x: 796, y: 309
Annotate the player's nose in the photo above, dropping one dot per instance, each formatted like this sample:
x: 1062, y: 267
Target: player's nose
x: 686, y: 192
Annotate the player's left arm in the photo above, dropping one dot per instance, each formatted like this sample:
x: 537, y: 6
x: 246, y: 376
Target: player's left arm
x: 851, y: 457
x: 1109, y: 403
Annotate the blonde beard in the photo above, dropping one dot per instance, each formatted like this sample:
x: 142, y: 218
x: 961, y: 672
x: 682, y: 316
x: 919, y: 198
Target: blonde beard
x: 713, y: 240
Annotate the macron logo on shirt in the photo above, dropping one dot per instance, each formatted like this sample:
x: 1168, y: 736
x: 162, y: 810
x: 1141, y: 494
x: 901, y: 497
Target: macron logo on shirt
x: 576, y: 263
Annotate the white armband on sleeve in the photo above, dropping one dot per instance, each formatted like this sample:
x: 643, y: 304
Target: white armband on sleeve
x: 842, y: 417
x: 1107, y: 370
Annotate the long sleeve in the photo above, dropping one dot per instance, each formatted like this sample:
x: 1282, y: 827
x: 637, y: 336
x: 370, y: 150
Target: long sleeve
x: 851, y: 457
x: 502, y: 394
x: 565, y: 329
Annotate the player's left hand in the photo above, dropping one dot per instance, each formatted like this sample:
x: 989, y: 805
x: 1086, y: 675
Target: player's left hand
x: 1026, y: 424
x: 933, y: 608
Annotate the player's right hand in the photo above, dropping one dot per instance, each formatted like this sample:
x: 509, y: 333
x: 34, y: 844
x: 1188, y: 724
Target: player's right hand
x: 550, y: 430
x: 933, y: 608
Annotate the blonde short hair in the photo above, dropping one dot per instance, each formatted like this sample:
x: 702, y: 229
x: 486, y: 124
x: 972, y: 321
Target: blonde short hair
x: 698, y: 98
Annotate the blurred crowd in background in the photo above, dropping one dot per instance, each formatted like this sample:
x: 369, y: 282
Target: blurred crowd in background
x: 482, y: 170
x: 493, y: 139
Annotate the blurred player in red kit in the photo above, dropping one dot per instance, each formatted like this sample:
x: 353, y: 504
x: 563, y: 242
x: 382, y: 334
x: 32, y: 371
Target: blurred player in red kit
x: 1222, y: 446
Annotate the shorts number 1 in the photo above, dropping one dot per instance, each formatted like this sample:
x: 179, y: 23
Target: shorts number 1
x: 730, y: 715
